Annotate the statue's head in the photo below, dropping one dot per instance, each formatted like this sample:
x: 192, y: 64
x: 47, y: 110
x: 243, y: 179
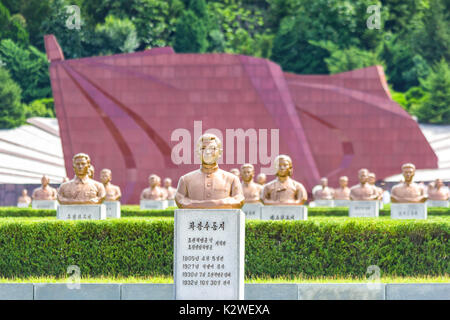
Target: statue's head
x: 236, y: 172
x: 247, y: 172
x: 363, y: 175
x: 283, y: 165
x: 209, y: 148
x: 167, y: 182
x: 261, y: 178
x: 371, y: 178
x: 105, y: 176
x: 408, y: 170
x: 45, y: 180
x: 154, y: 180
x: 343, y: 181
x: 438, y: 183
x: 81, y: 164
x: 324, y: 182
x: 24, y: 192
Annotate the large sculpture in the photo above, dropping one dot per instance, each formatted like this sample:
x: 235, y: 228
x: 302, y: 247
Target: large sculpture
x: 81, y: 189
x: 363, y: 191
x: 325, y: 192
x: 408, y: 191
x: 113, y: 192
x: 154, y: 191
x: 438, y: 191
x: 284, y: 190
x: 343, y: 192
x: 45, y: 191
x: 209, y: 187
x: 164, y: 96
x: 252, y: 190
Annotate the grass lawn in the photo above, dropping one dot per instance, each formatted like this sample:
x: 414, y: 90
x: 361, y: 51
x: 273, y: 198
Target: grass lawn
x: 163, y: 279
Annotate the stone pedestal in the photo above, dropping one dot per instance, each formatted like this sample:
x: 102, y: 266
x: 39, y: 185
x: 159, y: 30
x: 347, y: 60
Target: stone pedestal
x: 252, y: 210
x: 209, y: 254
x: 171, y: 203
x: 112, y: 209
x: 380, y: 205
x: 342, y: 203
x: 324, y: 203
x: 81, y: 212
x: 44, y: 204
x: 284, y: 213
x: 23, y: 205
x: 408, y: 210
x: 364, y: 209
x: 437, y: 203
x: 153, y: 204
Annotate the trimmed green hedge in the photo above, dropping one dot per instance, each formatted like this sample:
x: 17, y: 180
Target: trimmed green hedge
x: 144, y: 247
x: 134, y: 211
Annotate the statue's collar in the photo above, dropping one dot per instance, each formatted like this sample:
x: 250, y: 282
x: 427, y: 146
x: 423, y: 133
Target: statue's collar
x: 83, y: 180
x: 209, y: 168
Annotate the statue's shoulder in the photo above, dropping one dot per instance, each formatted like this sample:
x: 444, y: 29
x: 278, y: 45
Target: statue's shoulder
x: 397, y: 186
x: 191, y: 175
x: 227, y: 175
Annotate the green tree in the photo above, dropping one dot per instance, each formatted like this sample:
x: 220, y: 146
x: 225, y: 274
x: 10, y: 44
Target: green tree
x: 348, y: 59
x: 40, y: 108
x: 28, y: 67
x: 117, y: 35
x: 155, y: 21
x: 436, y: 107
x: 13, y: 27
x: 190, y: 34
x: 11, y: 109
x: 431, y: 37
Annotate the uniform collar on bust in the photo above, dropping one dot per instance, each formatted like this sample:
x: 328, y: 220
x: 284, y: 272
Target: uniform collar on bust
x: 81, y: 180
x: 209, y: 168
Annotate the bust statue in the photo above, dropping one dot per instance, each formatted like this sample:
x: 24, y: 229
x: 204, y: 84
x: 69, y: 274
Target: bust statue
x: 363, y: 191
x: 112, y: 192
x: 209, y: 187
x: 44, y: 192
x: 81, y: 189
x: 408, y: 191
x: 325, y: 192
x: 438, y: 191
x: 170, y: 191
x: 24, y: 198
x: 343, y: 192
x: 261, y: 179
x: 154, y: 191
x: 252, y: 190
x: 283, y: 190
x: 371, y: 180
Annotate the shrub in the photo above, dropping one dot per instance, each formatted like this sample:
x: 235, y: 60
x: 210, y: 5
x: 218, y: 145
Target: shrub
x: 144, y: 247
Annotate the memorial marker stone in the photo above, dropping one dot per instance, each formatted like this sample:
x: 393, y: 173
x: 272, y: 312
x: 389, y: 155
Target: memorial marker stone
x: 44, y: 204
x: 437, y: 203
x: 284, y: 213
x: 408, y: 210
x: 252, y: 210
x: 342, y: 203
x: 153, y: 204
x: 324, y: 203
x: 81, y: 212
x: 209, y: 254
x: 112, y: 209
x: 364, y: 209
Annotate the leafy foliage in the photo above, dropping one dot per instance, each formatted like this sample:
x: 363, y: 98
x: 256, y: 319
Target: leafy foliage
x: 144, y: 247
x: 11, y: 111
